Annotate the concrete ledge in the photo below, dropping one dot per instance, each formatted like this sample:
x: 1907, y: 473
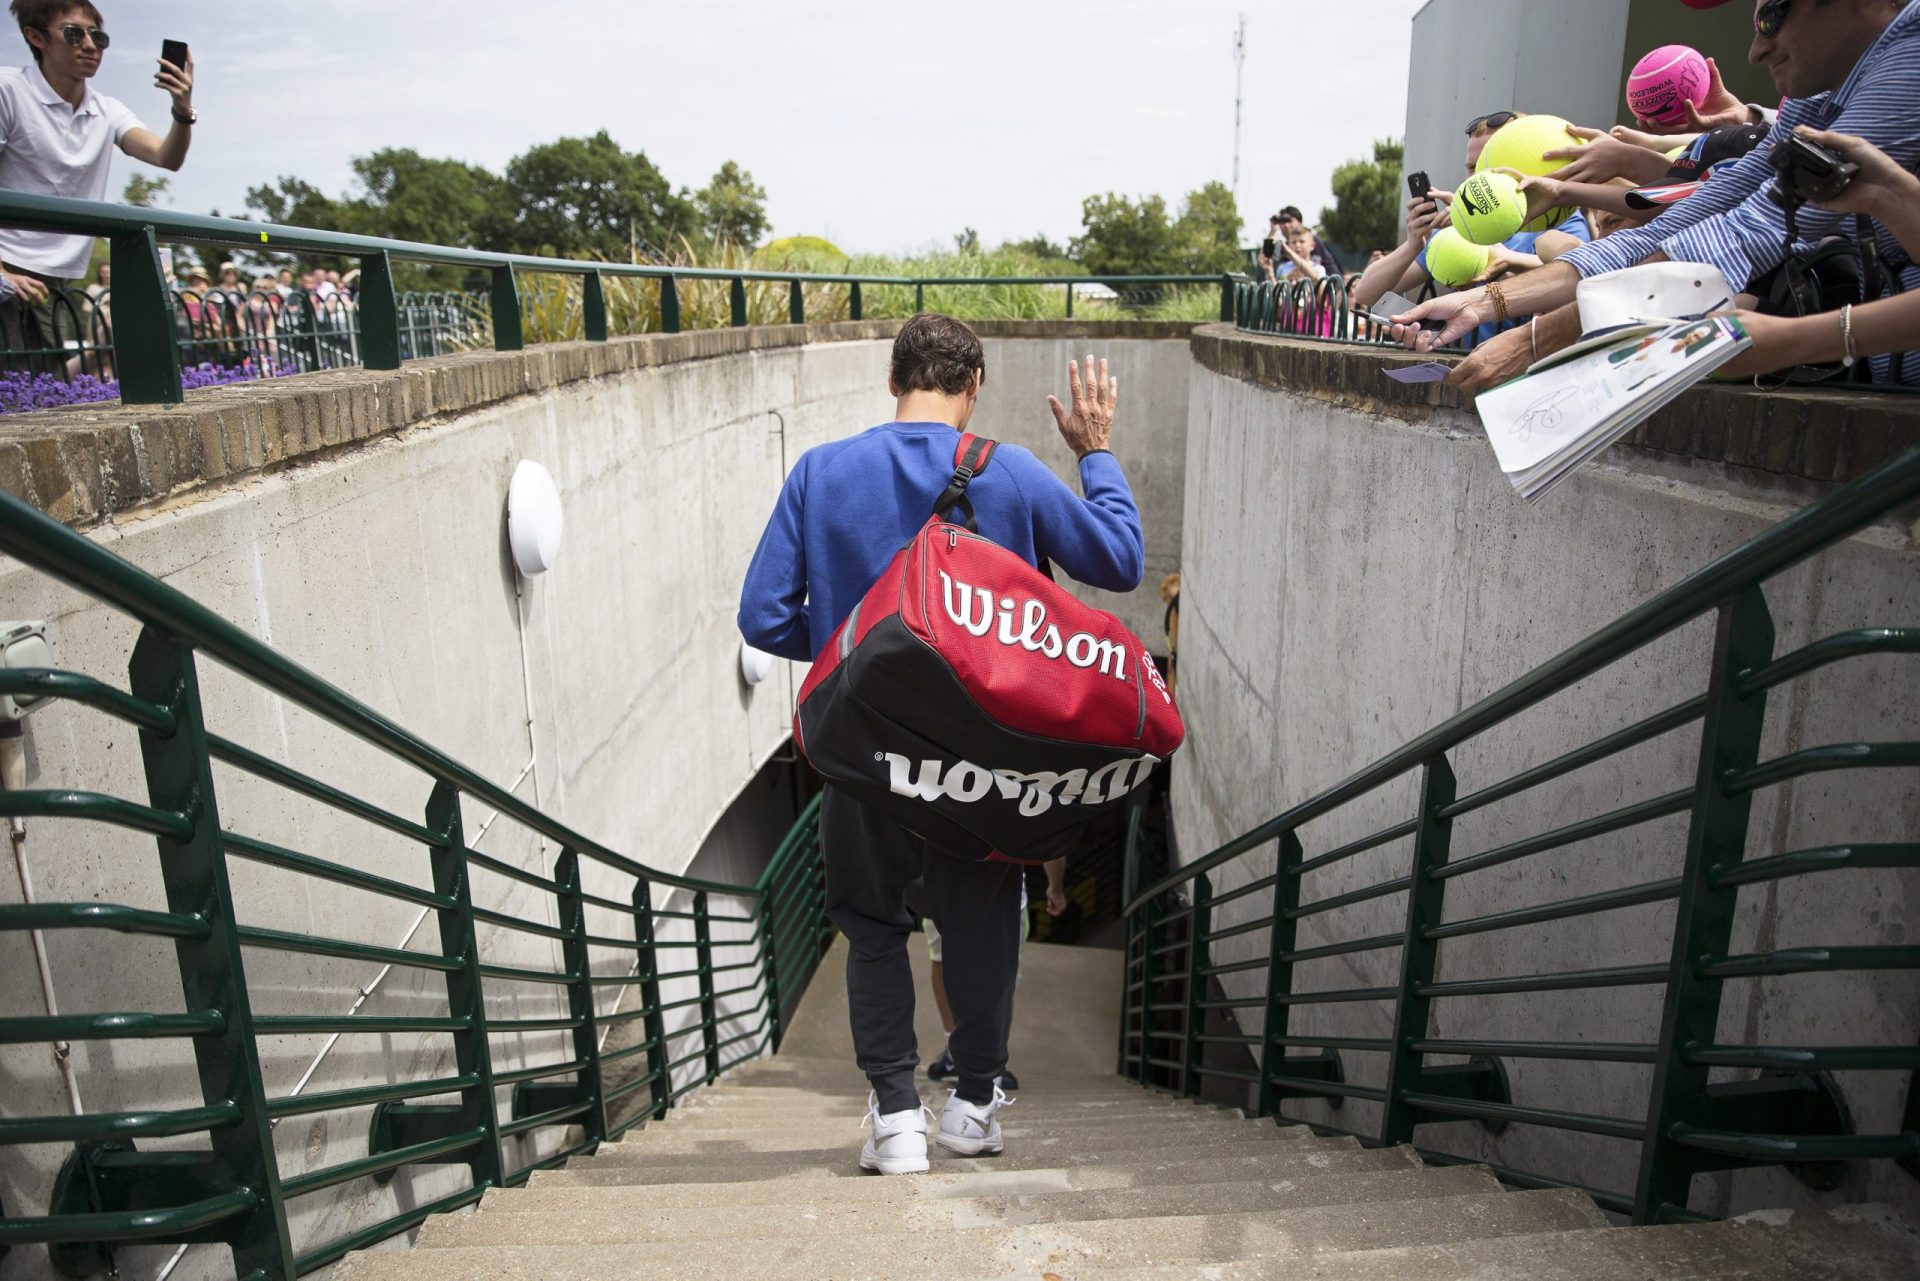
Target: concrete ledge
x: 86, y: 463
x: 1825, y: 437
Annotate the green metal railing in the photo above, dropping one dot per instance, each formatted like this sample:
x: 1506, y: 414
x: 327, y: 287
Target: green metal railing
x: 147, y: 356
x: 612, y: 941
x: 1792, y: 1114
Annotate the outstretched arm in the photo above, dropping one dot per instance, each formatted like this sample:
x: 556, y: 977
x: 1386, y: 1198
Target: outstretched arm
x: 1095, y: 539
x: 169, y: 152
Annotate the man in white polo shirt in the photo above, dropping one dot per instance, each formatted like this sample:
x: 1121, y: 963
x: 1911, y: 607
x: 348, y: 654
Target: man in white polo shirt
x: 56, y: 136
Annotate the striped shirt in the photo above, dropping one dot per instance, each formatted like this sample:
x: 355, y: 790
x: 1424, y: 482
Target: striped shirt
x: 1733, y: 224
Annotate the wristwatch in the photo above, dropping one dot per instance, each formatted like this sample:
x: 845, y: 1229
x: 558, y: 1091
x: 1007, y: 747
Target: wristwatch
x: 192, y: 117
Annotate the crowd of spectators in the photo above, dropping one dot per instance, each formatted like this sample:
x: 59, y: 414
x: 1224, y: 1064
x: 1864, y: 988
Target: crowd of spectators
x: 1823, y: 281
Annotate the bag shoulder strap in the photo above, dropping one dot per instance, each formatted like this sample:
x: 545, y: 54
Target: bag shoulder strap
x: 970, y: 458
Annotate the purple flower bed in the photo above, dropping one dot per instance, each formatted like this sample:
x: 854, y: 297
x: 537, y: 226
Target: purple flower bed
x: 22, y: 393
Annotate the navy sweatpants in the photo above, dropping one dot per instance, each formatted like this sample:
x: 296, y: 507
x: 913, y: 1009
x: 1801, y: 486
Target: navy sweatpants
x: 869, y: 860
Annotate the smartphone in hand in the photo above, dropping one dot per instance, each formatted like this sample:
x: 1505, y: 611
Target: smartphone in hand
x: 1390, y: 304
x: 174, y: 51
x: 1419, y: 185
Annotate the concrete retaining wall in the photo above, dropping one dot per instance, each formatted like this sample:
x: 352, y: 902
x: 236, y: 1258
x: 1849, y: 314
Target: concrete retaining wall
x: 1356, y: 570
x: 355, y: 521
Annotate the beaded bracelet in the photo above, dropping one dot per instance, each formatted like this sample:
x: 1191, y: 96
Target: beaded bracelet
x: 1499, y: 304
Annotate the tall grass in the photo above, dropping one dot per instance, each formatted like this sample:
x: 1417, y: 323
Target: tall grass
x: 551, y: 305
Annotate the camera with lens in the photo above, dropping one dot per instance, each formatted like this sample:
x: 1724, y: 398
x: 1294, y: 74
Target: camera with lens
x: 1807, y: 173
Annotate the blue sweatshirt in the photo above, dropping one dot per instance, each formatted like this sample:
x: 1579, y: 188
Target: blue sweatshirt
x: 851, y: 504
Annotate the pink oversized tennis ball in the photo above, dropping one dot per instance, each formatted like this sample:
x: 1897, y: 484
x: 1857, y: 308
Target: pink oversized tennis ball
x: 1665, y: 81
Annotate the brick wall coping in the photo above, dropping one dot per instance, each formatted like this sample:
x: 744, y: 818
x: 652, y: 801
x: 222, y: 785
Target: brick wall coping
x: 1789, y: 434
x: 83, y: 464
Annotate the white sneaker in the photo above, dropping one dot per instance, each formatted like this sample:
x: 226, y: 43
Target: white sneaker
x: 898, y: 1144
x: 970, y: 1128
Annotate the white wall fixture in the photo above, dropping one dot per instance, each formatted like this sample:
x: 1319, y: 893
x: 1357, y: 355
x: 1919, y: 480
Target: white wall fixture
x: 22, y: 645
x: 533, y: 518
x: 755, y: 664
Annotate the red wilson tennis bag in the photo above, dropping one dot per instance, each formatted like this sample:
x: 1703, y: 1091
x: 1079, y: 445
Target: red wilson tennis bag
x: 971, y: 700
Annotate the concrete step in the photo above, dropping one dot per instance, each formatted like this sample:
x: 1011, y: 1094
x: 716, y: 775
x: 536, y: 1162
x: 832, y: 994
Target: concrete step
x: 1850, y: 1243
x: 844, y: 1071
x: 503, y: 1221
x: 749, y: 1183
x: 1030, y: 1149
x: 716, y: 1121
x: 855, y: 1087
x: 880, y: 1254
x: 1103, y: 1135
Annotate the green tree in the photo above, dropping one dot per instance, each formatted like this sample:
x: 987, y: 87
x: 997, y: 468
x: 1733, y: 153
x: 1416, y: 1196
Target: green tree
x: 1123, y: 237
x: 587, y: 198
x: 1366, y: 201
x: 733, y: 208
x: 298, y: 204
x: 144, y: 192
x: 408, y: 196
x: 1206, y: 235
x: 1038, y: 246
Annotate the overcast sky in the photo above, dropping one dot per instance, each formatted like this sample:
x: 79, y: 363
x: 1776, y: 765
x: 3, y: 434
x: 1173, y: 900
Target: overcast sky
x: 882, y: 126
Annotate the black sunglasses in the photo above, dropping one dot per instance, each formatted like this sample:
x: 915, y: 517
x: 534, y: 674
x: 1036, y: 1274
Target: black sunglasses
x: 1492, y: 120
x: 75, y: 34
x: 1771, y: 16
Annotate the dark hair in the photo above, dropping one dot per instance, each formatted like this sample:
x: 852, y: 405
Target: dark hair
x: 39, y: 14
x: 936, y: 353
x: 1290, y: 212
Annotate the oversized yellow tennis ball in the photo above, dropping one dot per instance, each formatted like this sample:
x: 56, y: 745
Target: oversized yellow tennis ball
x: 1488, y: 208
x: 1453, y: 260
x: 1522, y: 145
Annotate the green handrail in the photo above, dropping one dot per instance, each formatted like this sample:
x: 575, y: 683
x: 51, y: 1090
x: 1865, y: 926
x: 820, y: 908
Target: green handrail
x: 1795, y: 1114
x: 109, y: 1192
x: 147, y: 355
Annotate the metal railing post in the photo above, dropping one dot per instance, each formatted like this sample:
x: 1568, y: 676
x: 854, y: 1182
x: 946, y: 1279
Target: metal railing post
x: 655, y: 1020
x: 503, y: 296
x: 1129, y: 858
x: 146, y: 339
x: 1426, y: 896
x: 212, y: 973
x: 854, y: 309
x: 669, y: 305
x: 919, y: 296
x: 1280, y: 940
x: 1199, y: 924
x: 379, y: 313
x: 737, y: 302
x: 1069, y: 300
x: 1226, y: 297
x: 576, y: 961
x: 466, y: 991
x: 703, y: 954
x: 593, y: 307
x: 796, y: 304
x: 1149, y: 939
x: 1703, y: 918
x: 770, y: 964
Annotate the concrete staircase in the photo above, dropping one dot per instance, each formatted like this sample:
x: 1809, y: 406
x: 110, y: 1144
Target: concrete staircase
x: 757, y: 1177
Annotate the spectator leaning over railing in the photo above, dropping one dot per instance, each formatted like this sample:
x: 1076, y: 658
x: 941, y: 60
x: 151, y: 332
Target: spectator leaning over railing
x: 1404, y: 270
x: 1849, y: 66
x: 1890, y: 195
x: 56, y: 136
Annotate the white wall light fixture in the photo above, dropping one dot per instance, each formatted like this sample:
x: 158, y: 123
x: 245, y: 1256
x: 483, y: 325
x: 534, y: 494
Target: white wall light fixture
x: 533, y: 518
x: 755, y: 664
